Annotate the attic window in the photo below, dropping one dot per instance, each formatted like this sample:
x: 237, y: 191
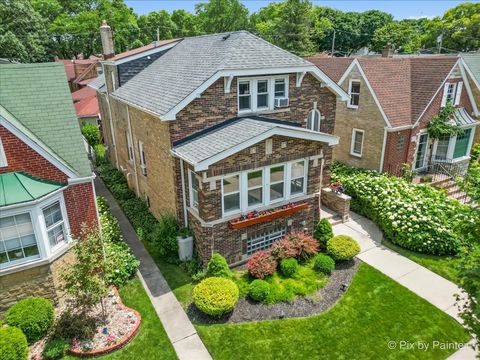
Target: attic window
x: 354, y: 92
x: 3, y: 158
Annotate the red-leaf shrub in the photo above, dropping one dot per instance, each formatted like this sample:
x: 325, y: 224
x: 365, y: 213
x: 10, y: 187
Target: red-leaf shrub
x: 305, y: 245
x: 284, y: 249
x: 261, y: 264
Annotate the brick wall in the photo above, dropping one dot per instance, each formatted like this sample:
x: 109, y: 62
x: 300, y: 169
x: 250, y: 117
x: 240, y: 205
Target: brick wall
x: 368, y: 118
x: 395, y: 152
x: 81, y: 210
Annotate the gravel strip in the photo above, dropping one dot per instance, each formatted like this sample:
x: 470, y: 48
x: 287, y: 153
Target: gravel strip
x: 248, y: 310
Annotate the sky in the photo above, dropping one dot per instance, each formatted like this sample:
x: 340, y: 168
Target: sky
x: 406, y: 9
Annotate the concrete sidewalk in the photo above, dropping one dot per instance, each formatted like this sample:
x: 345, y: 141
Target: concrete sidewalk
x: 178, y: 327
x: 428, y: 285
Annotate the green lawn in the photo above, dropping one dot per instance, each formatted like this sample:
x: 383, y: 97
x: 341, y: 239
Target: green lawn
x: 374, y: 311
x: 445, y: 266
x: 151, y: 342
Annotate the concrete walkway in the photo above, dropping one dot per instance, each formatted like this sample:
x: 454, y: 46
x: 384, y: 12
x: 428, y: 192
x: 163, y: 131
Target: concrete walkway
x: 178, y: 327
x: 432, y: 287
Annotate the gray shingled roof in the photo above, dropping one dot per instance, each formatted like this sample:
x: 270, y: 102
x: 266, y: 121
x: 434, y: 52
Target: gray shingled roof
x: 473, y: 62
x: 185, y: 67
x: 98, y: 83
x: 38, y: 98
x: 228, y: 135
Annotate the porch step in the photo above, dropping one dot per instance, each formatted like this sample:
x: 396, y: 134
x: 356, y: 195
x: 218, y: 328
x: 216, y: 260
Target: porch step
x: 330, y: 215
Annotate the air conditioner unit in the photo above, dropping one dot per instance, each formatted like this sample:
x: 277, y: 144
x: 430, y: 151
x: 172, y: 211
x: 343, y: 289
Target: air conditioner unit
x: 281, y: 102
x: 144, y: 170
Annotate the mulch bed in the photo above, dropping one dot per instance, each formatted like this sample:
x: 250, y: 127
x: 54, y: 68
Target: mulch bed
x: 248, y: 310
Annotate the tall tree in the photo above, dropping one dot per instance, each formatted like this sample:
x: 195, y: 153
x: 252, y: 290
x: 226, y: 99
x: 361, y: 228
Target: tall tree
x: 23, y: 34
x: 218, y: 16
x: 461, y: 27
x: 401, y: 34
x: 186, y: 23
x: 370, y: 21
x: 160, y: 20
x: 265, y: 22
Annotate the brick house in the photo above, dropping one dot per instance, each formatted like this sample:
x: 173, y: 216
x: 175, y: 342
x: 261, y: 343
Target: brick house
x: 471, y: 62
x: 46, y: 183
x: 222, y: 126
x: 392, y: 99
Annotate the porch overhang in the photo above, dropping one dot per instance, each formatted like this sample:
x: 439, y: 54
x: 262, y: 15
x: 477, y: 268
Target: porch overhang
x: 223, y: 140
x: 463, y: 119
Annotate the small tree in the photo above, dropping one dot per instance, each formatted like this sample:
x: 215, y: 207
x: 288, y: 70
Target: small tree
x: 91, y: 133
x: 323, y: 232
x: 85, y: 279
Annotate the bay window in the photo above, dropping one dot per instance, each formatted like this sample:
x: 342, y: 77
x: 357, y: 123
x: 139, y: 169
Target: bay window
x: 18, y: 242
x: 265, y: 186
x: 54, y: 223
x: 262, y: 93
x: 453, y: 147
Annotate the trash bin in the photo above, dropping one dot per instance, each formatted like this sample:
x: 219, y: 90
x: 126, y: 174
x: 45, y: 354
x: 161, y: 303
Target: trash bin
x: 185, y: 247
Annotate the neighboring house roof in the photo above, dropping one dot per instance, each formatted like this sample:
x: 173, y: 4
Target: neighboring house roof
x: 191, y: 66
x: 333, y: 67
x: 37, y: 102
x: 404, y: 87
x: 143, y: 49
x: 87, y: 107
x: 70, y: 66
x: 472, y: 60
x: 98, y: 83
x: 19, y: 187
x: 83, y: 93
x: 220, y: 141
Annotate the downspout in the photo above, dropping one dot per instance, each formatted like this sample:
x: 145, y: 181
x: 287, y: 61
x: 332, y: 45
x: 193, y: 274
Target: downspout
x: 184, y: 197
x: 133, y: 151
x: 384, y: 145
x: 321, y: 187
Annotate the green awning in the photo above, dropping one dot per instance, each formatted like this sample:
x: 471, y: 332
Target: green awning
x: 18, y: 187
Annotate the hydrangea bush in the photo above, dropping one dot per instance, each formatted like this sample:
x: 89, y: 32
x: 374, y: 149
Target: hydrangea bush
x: 416, y: 217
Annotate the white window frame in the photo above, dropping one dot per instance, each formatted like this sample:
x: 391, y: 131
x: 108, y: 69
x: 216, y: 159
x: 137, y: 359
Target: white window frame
x: 424, y: 160
x: 314, y: 112
x: 261, y: 186
x: 352, y: 144
x: 46, y: 251
x: 243, y: 187
x: 59, y: 245
x: 3, y: 157
x: 350, y: 83
x: 451, y: 147
x: 130, y: 153
x: 285, y: 81
x: 291, y: 178
x: 253, y: 84
x: 191, y: 175
x: 143, y: 160
x: 455, y: 93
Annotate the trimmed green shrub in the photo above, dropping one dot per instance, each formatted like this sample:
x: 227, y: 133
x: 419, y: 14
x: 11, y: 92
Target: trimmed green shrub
x: 324, y: 264
x: 121, y: 264
x: 91, y: 133
x: 56, y: 348
x: 217, y: 266
x: 100, y: 157
x: 33, y: 315
x: 13, y: 344
x: 258, y: 290
x: 288, y: 267
x: 342, y: 247
x: 261, y: 264
x: 215, y: 296
x: 323, y: 232
x: 110, y: 226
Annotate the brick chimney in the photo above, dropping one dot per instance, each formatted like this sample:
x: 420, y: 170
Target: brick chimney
x: 107, y: 41
x: 387, y: 51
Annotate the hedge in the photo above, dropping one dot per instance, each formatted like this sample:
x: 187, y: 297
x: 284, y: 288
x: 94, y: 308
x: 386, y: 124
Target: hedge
x: 215, y: 296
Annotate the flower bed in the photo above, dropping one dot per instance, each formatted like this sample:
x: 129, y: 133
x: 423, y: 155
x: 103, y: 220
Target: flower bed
x: 122, y: 325
x: 416, y: 217
x: 257, y: 217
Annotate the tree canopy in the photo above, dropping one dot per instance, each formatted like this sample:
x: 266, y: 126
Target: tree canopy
x: 38, y: 30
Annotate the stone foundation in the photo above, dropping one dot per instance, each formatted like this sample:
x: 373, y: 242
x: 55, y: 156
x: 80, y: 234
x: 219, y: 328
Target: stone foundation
x: 42, y: 281
x: 340, y: 203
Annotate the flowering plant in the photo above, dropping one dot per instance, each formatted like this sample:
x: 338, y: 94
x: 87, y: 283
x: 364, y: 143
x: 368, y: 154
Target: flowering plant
x: 255, y: 214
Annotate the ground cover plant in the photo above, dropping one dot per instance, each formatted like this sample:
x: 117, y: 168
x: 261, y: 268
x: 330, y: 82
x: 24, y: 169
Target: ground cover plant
x: 414, y: 216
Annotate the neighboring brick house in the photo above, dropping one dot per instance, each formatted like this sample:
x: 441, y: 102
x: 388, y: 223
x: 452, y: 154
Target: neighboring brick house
x: 222, y: 125
x: 472, y: 69
x: 46, y: 183
x: 392, y: 99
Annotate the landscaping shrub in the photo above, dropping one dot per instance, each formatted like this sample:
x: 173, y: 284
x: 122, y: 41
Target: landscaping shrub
x: 55, y: 348
x: 305, y: 244
x: 121, y: 264
x: 110, y: 226
x: 342, y: 247
x: 284, y: 249
x: 33, y: 315
x: 91, y: 133
x: 288, y: 267
x: 100, y: 157
x: 78, y: 325
x: 324, y: 264
x: 217, y: 266
x: 13, y: 344
x: 258, y: 290
x: 414, y: 216
x: 215, y: 296
x: 261, y: 264
x: 323, y: 232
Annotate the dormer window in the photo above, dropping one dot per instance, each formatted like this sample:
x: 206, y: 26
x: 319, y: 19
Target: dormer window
x: 261, y: 94
x: 354, y: 92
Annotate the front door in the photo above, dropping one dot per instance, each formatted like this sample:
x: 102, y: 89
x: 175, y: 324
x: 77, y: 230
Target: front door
x: 421, y: 151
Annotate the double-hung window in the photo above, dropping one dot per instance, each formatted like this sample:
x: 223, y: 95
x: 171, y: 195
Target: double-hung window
x: 277, y: 183
x: 231, y: 193
x: 262, y: 93
x: 55, y: 224
x: 357, y: 142
x: 194, y: 187
x: 18, y: 242
x: 244, y: 96
x: 451, y: 92
x: 297, y: 182
x: 255, y: 187
x: 280, y: 88
x: 354, y: 92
